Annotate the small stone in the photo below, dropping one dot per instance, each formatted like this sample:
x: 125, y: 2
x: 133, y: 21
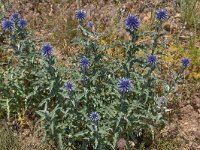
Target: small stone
x: 121, y: 144
x: 178, y: 15
x: 132, y: 144
x: 197, y: 134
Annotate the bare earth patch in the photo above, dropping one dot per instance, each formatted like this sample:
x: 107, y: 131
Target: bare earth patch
x: 185, y: 129
x: 189, y: 124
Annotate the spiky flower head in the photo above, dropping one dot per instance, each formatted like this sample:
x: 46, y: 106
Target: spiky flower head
x: 162, y: 15
x: 46, y: 49
x: 124, y: 85
x: 15, y: 17
x: 22, y: 24
x: 84, y: 62
x: 132, y: 23
x: 152, y: 59
x: 80, y: 15
x: 69, y: 86
x: 90, y: 24
x: 7, y: 25
x: 185, y: 62
x: 94, y: 117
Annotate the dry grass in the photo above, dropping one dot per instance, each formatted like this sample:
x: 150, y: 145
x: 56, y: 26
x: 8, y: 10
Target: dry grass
x: 7, y: 139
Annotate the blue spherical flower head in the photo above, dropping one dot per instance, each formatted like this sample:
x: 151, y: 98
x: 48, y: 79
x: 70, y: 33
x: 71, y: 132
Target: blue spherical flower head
x: 69, y: 86
x: 162, y: 15
x: 185, y: 62
x: 84, y: 62
x: 94, y: 117
x: 152, y: 59
x: 7, y: 25
x: 90, y: 24
x: 15, y: 17
x: 132, y: 23
x: 80, y: 15
x: 22, y: 24
x: 47, y: 49
x: 124, y: 85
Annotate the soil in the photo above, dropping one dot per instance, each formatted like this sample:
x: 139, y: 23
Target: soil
x: 188, y: 124
x: 185, y: 127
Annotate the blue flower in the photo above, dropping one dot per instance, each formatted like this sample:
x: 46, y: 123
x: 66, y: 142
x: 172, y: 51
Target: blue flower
x: 162, y: 15
x: 84, y: 62
x: 94, y: 117
x: 80, y: 15
x: 7, y: 25
x: 185, y: 62
x: 15, y: 17
x: 46, y: 49
x: 132, y: 23
x: 124, y: 85
x: 69, y: 86
x: 90, y: 24
x: 22, y: 24
x: 152, y: 59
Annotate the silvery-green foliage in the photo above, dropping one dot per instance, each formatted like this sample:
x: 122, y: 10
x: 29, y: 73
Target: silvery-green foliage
x: 19, y: 72
x: 122, y: 114
x: 30, y: 80
x: 121, y: 92
x: 5, y: 7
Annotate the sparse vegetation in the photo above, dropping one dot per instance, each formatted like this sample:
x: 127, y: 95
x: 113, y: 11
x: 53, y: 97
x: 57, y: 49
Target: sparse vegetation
x: 190, y: 13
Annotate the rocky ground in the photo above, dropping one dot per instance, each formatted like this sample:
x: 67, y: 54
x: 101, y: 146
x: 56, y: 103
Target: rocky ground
x: 185, y: 125
x: 188, y: 124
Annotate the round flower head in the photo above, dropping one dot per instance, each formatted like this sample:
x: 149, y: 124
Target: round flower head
x: 94, y: 117
x: 69, y: 86
x: 124, y: 85
x: 80, y: 15
x: 22, y: 24
x: 132, y: 23
x: 15, y: 17
x: 162, y: 15
x: 152, y: 59
x: 90, y: 24
x: 185, y: 62
x: 7, y: 25
x: 47, y: 49
x: 84, y: 62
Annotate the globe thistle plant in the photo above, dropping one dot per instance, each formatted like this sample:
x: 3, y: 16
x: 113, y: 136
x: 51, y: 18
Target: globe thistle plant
x: 152, y: 59
x: 90, y: 24
x: 162, y: 15
x: 80, y: 15
x: 46, y: 49
x: 7, y: 25
x: 22, y: 24
x: 69, y: 86
x: 94, y: 117
x: 185, y: 62
x: 84, y: 62
x: 124, y: 85
x: 132, y: 23
x: 15, y: 17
